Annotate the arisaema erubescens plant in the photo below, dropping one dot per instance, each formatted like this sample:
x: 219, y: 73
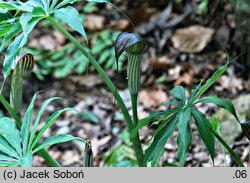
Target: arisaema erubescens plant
x: 19, y: 146
x: 20, y: 140
x: 18, y: 21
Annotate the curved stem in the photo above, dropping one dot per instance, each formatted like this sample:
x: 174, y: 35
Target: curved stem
x: 136, y: 142
x: 99, y: 70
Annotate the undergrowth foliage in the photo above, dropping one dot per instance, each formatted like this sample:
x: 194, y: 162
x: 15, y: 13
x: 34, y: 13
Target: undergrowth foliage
x: 20, y: 139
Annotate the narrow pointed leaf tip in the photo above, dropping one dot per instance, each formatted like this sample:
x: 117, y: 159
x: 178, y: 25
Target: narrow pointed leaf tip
x: 126, y: 40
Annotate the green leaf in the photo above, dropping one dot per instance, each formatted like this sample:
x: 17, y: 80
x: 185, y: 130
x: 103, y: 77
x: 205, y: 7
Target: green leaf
x: 74, y: 20
x: 156, y: 149
x: 179, y: 93
x: 45, y: 5
x: 19, y: 6
x: 4, y: 157
x: 48, y: 123
x: 223, y: 103
x: 5, y: 29
x: 184, y: 135
x: 6, y: 148
x: 27, y: 25
x: 215, y: 125
x: 99, y: 1
x: 38, y: 117
x: 55, y: 140
x: 210, y: 81
x: 65, y: 2
x: 13, y: 32
x: 204, y: 128
x: 89, y: 116
x: 25, y: 129
x: 9, y: 131
x: 233, y: 154
x: 26, y: 160
x: 38, y: 12
x: 9, y: 163
x: 194, y: 91
x: 141, y: 123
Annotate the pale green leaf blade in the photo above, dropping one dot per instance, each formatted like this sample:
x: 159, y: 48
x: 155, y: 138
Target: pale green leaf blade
x: 28, y: 23
x: 38, y: 117
x: 74, y: 20
x: 6, y: 148
x: 25, y: 129
x: 4, y: 157
x: 10, y: 132
x: 26, y: 160
x: 55, y: 140
x: 66, y: 2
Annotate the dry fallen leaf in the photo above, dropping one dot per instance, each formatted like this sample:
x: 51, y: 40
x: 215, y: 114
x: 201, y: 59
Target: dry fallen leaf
x: 160, y: 63
x: 192, y: 39
x: 94, y: 22
x: 48, y: 41
x: 152, y: 98
x: 186, y: 78
x: 232, y: 84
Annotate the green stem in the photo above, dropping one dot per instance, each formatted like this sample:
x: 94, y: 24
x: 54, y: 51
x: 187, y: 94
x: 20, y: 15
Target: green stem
x: 109, y: 83
x: 137, y: 142
x: 43, y: 153
x: 98, y: 68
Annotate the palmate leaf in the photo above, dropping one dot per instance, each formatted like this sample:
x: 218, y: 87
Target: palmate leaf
x: 9, y: 131
x: 156, y: 149
x: 184, y: 135
x: 205, y: 130
x: 27, y: 23
x: 6, y: 148
x: 223, y: 103
x: 26, y: 160
x: 74, y: 20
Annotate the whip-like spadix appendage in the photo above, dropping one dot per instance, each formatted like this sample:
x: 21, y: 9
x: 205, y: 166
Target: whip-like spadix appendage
x: 24, y: 66
x: 135, y: 46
